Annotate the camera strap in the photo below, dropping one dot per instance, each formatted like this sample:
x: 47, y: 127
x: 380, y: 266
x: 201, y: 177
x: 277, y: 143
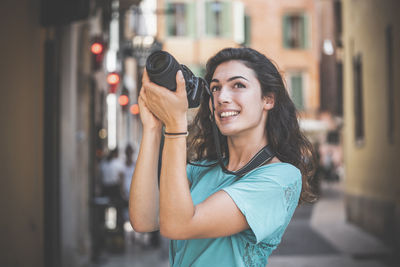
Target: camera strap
x: 263, y: 156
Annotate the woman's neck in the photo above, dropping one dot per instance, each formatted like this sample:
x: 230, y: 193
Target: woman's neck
x: 242, y: 149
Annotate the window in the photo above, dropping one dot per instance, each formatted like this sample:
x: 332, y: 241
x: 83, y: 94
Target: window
x: 295, y: 82
x: 180, y: 19
x: 390, y: 83
x: 337, y: 9
x: 219, y: 19
x: 358, y: 99
x: 295, y: 31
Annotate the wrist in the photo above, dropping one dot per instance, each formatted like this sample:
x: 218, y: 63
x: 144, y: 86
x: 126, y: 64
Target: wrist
x: 152, y: 130
x: 177, y: 126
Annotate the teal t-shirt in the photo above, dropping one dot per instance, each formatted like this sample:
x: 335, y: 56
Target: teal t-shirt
x: 267, y: 196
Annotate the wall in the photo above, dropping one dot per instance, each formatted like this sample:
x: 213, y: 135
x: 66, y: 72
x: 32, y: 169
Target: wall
x: 75, y: 153
x: 21, y: 138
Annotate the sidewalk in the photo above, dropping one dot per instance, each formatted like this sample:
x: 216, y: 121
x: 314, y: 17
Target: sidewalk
x: 325, y: 239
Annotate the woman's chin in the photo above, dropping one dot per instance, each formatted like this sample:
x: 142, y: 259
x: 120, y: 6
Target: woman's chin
x: 228, y: 131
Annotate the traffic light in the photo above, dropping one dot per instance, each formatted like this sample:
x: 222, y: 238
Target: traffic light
x: 123, y: 99
x: 113, y: 81
x: 97, y: 50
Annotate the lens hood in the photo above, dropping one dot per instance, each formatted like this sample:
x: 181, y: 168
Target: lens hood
x: 162, y: 68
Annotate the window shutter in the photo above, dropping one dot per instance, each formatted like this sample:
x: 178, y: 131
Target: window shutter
x: 247, y: 30
x: 169, y: 19
x: 210, y: 20
x: 286, y: 31
x: 297, y: 90
x: 227, y: 19
x: 191, y: 19
x: 304, y: 32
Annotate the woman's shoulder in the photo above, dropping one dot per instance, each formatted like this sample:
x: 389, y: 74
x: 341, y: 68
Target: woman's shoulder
x: 194, y: 169
x: 282, y: 173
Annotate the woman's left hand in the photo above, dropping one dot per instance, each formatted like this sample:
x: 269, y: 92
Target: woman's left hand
x: 168, y: 106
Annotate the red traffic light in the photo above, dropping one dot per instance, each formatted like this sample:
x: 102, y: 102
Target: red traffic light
x: 112, y: 78
x: 96, y: 48
x: 123, y: 100
x: 134, y: 109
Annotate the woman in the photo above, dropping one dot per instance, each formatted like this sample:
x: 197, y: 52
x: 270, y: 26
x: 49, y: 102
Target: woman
x: 213, y: 218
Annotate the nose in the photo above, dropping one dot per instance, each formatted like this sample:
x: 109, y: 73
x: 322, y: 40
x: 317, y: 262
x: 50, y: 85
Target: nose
x: 224, y: 96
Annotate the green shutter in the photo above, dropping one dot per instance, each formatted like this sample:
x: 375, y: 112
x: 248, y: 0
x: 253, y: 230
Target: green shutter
x: 286, y: 31
x: 247, y: 30
x: 297, y: 90
x: 210, y: 20
x: 169, y: 19
x: 304, y: 32
x: 190, y: 19
x: 226, y: 19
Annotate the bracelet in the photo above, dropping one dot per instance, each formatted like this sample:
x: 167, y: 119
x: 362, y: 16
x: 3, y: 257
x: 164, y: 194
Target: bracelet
x: 176, y: 135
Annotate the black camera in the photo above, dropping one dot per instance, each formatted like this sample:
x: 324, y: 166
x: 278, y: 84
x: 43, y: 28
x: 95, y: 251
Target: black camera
x: 162, y: 67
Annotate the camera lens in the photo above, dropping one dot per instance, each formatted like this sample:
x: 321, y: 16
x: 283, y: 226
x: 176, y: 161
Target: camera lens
x: 162, y: 69
x: 158, y: 63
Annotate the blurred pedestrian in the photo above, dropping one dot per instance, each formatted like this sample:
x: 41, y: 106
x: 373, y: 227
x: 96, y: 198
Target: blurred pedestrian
x: 129, y: 167
x: 213, y: 217
x: 112, y: 170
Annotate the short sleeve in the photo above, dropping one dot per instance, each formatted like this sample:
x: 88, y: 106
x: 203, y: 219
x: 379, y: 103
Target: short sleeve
x: 194, y: 172
x: 262, y: 201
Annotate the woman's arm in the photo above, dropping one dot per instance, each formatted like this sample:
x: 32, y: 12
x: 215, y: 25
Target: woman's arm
x: 179, y: 218
x: 217, y: 216
x: 144, y: 192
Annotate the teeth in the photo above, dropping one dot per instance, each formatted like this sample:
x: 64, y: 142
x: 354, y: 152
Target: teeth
x: 229, y: 114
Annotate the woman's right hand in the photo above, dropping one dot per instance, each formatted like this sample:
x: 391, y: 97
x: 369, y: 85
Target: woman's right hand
x: 148, y: 119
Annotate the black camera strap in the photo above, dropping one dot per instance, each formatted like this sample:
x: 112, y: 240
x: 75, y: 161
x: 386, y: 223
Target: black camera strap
x: 263, y: 156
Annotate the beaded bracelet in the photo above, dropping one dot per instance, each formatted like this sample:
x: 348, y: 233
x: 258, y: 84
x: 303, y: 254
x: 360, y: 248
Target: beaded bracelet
x: 176, y: 135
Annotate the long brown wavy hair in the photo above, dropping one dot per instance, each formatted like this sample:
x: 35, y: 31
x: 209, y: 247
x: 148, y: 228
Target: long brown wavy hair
x: 283, y: 131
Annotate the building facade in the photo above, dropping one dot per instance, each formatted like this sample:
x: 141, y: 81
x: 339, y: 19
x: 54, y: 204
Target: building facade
x: 371, y: 116
x: 285, y: 31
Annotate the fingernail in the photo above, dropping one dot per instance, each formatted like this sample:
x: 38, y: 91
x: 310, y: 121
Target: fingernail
x: 180, y: 75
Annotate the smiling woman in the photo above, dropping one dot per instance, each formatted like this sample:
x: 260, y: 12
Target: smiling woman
x: 194, y: 203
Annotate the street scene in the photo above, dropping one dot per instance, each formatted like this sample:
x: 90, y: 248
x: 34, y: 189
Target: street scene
x: 72, y: 125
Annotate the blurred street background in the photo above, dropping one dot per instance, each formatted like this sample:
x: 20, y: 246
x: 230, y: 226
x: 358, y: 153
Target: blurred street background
x: 70, y: 126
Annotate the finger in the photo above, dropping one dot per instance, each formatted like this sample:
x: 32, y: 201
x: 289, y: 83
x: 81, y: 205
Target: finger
x: 142, y: 91
x: 180, y: 83
x: 142, y: 96
x: 145, y: 77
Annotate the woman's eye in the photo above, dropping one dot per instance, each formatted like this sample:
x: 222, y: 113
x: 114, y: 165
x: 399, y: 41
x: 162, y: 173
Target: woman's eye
x: 239, y: 85
x: 214, y: 88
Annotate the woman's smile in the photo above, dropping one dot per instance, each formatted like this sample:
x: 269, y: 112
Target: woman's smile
x: 229, y: 114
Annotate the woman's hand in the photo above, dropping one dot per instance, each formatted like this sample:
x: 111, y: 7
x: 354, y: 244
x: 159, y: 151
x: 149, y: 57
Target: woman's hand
x: 168, y: 106
x: 148, y: 119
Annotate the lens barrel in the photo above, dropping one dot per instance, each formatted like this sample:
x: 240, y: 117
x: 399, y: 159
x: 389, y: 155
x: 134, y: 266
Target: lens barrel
x: 162, y: 68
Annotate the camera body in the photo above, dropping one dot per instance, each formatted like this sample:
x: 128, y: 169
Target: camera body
x: 162, y: 68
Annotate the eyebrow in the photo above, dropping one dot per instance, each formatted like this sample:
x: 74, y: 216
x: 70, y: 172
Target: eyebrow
x: 231, y: 79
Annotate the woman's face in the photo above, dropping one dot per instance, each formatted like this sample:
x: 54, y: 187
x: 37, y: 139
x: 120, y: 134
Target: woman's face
x: 240, y: 107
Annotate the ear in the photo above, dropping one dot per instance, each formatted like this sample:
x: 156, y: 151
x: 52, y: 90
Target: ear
x: 269, y: 101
